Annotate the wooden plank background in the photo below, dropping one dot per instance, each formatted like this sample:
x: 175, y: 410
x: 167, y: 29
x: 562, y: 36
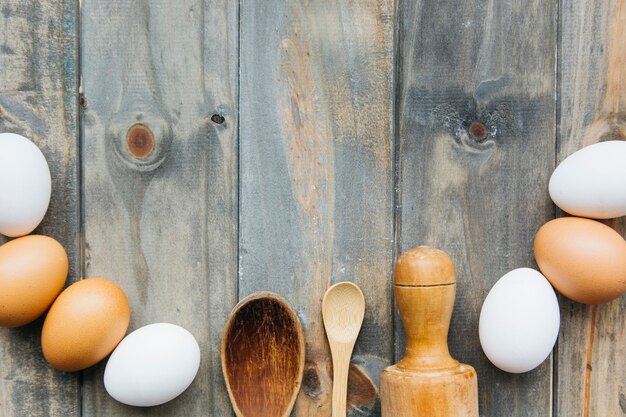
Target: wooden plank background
x: 316, y: 174
x: 476, y: 130
x: 163, y: 225
x: 218, y: 148
x: 39, y: 99
x: 591, y: 363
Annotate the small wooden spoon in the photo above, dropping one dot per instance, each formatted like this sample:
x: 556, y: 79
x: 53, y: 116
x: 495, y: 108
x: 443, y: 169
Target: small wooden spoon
x: 263, y: 356
x: 343, y: 310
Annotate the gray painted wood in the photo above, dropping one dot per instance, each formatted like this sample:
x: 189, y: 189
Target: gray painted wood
x: 38, y: 99
x: 317, y: 179
x: 591, y: 374
x: 161, y: 219
x: 476, y: 88
x: 316, y: 174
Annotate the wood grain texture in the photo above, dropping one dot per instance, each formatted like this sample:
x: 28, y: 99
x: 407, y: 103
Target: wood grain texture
x: 263, y: 356
x: 591, y: 350
x: 476, y: 120
x: 38, y: 99
x: 160, y: 176
x: 316, y: 174
x: 476, y: 88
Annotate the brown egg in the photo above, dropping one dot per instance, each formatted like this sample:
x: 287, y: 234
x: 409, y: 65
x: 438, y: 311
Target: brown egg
x: 583, y: 259
x: 33, y: 270
x: 85, y: 324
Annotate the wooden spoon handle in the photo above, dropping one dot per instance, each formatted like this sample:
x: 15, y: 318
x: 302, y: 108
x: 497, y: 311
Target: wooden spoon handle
x: 341, y: 366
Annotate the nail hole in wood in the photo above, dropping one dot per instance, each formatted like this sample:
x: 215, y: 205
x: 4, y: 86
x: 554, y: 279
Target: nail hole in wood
x: 82, y: 102
x: 140, y: 140
x: 478, y: 131
x: 217, y: 119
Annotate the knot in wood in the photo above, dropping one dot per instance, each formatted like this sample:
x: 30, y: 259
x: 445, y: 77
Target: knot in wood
x: 478, y: 131
x: 218, y: 119
x: 311, y: 383
x: 140, y: 141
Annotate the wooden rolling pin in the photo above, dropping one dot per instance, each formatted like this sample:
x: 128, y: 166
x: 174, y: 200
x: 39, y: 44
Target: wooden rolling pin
x: 427, y: 382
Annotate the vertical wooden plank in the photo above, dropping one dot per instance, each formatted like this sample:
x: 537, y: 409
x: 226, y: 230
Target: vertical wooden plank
x: 160, y: 175
x: 316, y: 174
x: 592, y: 89
x: 38, y: 99
x: 476, y: 89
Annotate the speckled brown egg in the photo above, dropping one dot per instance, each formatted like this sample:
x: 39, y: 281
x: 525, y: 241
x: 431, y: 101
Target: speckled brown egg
x: 583, y: 259
x: 85, y: 324
x: 33, y: 270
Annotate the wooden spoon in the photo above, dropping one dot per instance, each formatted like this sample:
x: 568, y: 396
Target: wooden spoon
x: 343, y: 309
x: 263, y: 356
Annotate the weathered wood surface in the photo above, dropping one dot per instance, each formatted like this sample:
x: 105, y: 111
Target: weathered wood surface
x: 188, y: 221
x: 476, y: 111
x: 591, y: 351
x: 316, y: 174
x: 38, y: 99
x: 159, y: 198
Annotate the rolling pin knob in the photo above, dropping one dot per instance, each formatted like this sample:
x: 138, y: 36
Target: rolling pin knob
x: 427, y: 382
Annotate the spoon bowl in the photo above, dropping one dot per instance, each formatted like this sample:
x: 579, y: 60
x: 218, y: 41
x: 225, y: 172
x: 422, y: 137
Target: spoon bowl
x: 263, y: 356
x: 343, y: 310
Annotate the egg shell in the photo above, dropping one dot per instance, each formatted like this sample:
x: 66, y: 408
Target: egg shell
x: 25, y: 185
x: 152, y: 365
x: 585, y: 260
x: 519, y: 321
x: 592, y: 181
x: 33, y: 270
x: 84, y: 324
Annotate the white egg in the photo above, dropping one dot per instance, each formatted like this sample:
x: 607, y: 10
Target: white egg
x: 592, y: 181
x: 519, y: 321
x: 25, y: 185
x: 152, y: 365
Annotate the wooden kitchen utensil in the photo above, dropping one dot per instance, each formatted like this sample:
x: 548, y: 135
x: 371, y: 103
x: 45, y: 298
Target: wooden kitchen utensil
x: 343, y: 309
x: 263, y: 356
x: 427, y: 382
